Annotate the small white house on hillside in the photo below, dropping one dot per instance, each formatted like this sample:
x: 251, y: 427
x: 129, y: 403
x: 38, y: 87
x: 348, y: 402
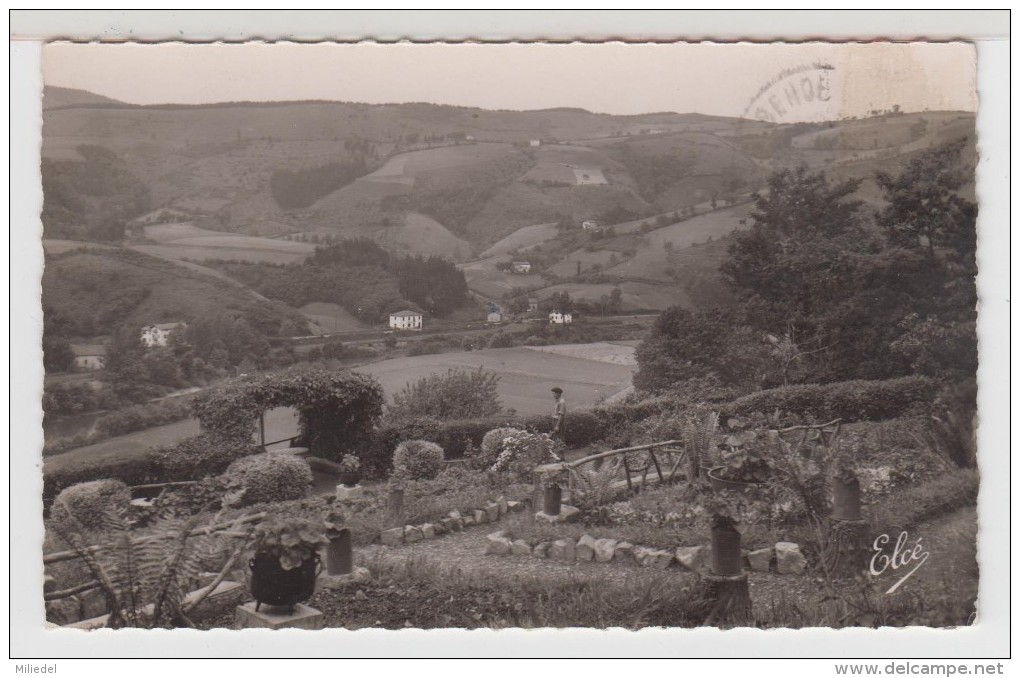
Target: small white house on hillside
x: 534, y: 142
x: 494, y: 317
x: 589, y: 225
x: 159, y: 334
x: 557, y: 318
x: 89, y: 356
x: 521, y: 267
x: 406, y: 320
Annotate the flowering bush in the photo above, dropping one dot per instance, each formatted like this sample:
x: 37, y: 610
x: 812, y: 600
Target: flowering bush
x: 417, y: 460
x: 87, y: 502
x: 269, y: 477
x: 522, y: 451
x: 492, y: 445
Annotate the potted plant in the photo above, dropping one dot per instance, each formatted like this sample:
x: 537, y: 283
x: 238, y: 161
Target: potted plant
x: 746, y: 463
x: 286, y: 561
x: 846, y: 494
x: 550, y: 480
x: 350, y: 470
x: 724, y: 510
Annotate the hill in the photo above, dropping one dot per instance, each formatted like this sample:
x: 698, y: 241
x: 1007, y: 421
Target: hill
x: 57, y: 97
x: 472, y: 185
x: 92, y: 291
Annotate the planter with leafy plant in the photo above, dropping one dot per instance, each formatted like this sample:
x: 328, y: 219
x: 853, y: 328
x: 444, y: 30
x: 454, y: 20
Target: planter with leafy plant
x: 286, y: 561
x: 746, y: 463
x: 350, y: 470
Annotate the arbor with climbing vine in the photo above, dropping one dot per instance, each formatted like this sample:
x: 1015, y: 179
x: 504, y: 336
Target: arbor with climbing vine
x: 337, y: 410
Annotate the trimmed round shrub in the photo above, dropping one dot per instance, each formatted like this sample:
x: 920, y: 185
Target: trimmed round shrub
x: 492, y: 444
x: 87, y: 502
x: 269, y: 477
x: 418, y: 459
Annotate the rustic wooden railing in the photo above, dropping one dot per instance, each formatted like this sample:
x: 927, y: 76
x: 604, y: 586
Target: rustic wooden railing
x: 666, y: 458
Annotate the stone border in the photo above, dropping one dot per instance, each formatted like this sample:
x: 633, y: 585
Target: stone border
x: 787, y: 556
x: 454, y: 521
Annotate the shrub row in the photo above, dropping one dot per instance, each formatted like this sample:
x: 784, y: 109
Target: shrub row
x: 906, y: 508
x: 857, y: 400
x: 190, y: 459
x: 583, y: 428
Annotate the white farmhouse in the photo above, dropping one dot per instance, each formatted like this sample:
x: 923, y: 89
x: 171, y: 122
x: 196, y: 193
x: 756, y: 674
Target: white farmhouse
x: 159, y: 334
x: 89, y: 357
x: 494, y: 317
x: 405, y: 320
x: 535, y: 142
x: 521, y: 267
x: 589, y: 225
x: 557, y: 318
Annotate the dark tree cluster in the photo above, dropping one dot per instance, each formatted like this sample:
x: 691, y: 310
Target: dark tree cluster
x: 297, y: 189
x: 360, y: 276
x: 90, y: 199
x: 832, y: 292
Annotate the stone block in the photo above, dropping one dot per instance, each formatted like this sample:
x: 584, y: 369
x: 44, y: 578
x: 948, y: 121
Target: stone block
x: 267, y: 617
x: 504, y: 506
x: 694, y: 558
x: 455, y: 515
x: 428, y: 531
x: 412, y: 534
x: 497, y: 544
x: 541, y: 550
x: 440, y: 528
x: 568, y: 514
x: 789, y: 559
x: 392, y: 537
x: 760, y: 559
x: 360, y: 575
x: 344, y: 493
x: 656, y: 558
x: 624, y: 552
x: 604, y: 549
x: 514, y: 506
x: 492, y: 512
x: 480, y: 516
x: 468, y: 521
x: 519, y: 547
x: 586, y: 548
x: 564, y: 550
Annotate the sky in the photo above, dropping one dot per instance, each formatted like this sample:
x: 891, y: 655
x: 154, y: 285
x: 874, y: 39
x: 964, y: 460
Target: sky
x: 617, y: 78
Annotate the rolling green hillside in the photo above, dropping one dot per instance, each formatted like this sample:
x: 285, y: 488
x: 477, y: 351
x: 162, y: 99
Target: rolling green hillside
x: 423, y: 179
x: 93, y: 291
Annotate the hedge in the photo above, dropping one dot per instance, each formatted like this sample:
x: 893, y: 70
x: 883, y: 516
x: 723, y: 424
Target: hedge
x: 582, y: 428
x: 139, y: 469
x: 907, y: 508
x: 189, y: 459
x: 858, y: 400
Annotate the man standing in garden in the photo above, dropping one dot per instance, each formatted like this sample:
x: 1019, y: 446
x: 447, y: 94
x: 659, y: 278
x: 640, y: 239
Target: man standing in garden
x: 559, y: 414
